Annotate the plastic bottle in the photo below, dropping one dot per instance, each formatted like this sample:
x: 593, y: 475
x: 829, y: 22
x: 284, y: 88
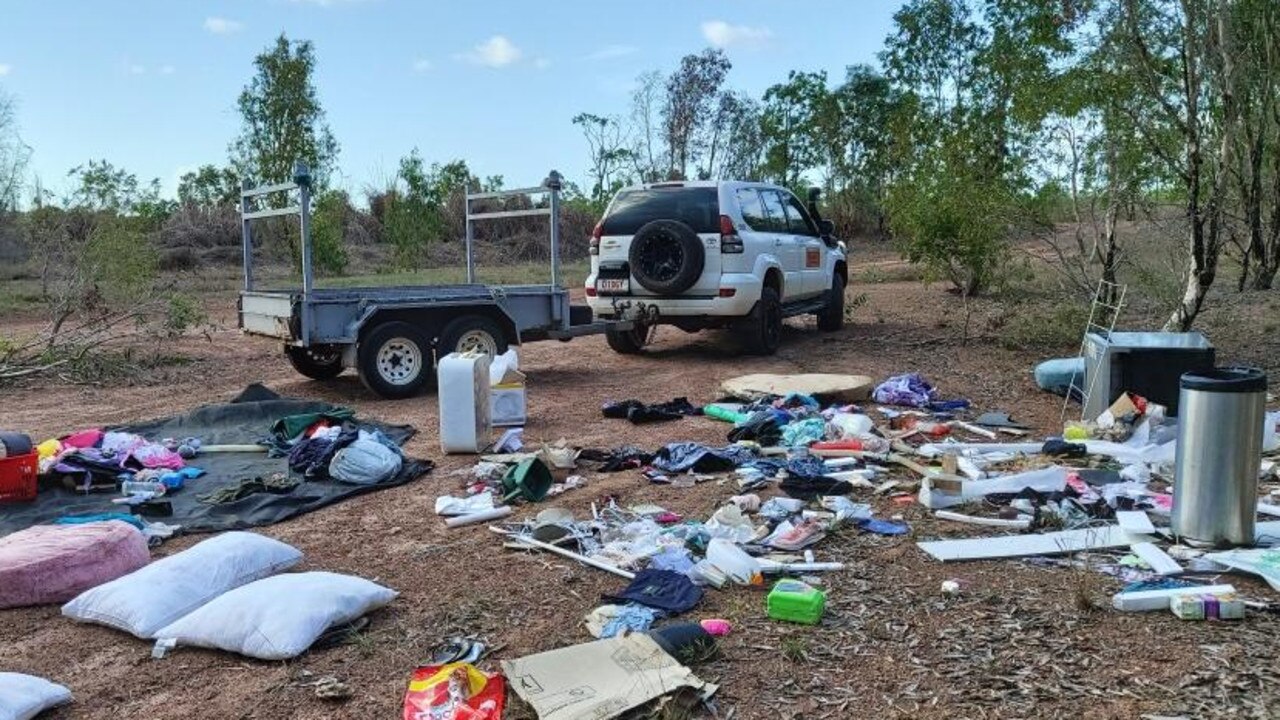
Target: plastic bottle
x: 721, y: 413
x: 135, y: 487
x: 852, y: 425
x: 734, y: 562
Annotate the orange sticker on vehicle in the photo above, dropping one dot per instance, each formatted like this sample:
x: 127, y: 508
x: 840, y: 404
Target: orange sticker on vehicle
x: 812, y: 257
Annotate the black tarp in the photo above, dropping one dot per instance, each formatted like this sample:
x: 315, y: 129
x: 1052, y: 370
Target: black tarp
x: 244, y: 421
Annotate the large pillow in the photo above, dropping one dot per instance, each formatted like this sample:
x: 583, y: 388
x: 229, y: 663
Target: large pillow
x: 54, y: 563
x: 23, y: 697
x: 279, y: 617
x: 144, y: 601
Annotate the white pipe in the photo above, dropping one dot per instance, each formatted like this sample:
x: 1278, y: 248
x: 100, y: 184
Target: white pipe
x: 777, y: 567
x: 1021, y: 524
x: 473, y: 518
x: 598, y: 564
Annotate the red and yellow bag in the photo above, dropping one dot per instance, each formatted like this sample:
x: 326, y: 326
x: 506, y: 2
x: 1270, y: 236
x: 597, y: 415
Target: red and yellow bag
x: 457, y: 691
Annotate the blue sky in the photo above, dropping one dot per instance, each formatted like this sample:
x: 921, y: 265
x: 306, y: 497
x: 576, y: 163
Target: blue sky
x: 150, y: 85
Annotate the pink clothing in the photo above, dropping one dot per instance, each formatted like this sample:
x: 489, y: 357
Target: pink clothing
x: 83, y: 439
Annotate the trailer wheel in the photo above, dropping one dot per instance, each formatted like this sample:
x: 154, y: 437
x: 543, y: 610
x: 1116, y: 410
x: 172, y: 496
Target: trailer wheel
x: 472, y: 333
x: 394, y: 360
x: 323, y: 362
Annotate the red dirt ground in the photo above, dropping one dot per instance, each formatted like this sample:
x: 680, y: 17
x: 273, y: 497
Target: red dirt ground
x: 1019, y: 641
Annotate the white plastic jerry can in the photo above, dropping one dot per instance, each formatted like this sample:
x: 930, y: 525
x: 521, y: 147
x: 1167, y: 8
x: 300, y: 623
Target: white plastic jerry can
x: 463, y: 395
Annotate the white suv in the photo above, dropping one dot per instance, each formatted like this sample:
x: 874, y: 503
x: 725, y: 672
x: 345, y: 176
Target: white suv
x: 715, y: 254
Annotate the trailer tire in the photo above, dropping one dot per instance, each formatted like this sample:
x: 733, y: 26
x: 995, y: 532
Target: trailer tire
x: 472, y: 332
x: 627, y: 342
x: 322, y: 362
x: 394, y: 360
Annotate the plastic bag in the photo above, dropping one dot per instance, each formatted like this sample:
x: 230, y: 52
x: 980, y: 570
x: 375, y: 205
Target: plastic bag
x: 457, y: 691
x: 365, y: 462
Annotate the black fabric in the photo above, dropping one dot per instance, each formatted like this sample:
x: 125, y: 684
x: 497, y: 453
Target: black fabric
x: 641, y: 413
x: 663, y: 590
x: 760, y: 427
x: 682, y: 457
x: 235, y: 423
x: 618, y: 459
x: 811, y: 488
x: 1063, y: 449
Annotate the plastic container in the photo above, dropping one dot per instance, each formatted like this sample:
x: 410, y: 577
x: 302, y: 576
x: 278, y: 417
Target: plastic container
x: 734, y: 562
x: 464, y: 402
x: 797, y: 602
x: 150, y: 489
x: 1215, y: 487
x: 722, y: 413
x: 852, y: 425
x: 18, y: 477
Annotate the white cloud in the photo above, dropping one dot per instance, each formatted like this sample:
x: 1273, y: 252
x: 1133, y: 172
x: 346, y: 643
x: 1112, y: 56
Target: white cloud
x: 5, y: 69
x: 495, y: 52
x: 722, y: 35
x: 222, y: 26
x: 136, y: 69
x: 542, y: 63
x: 168, y: 69
x: 422, y: 65
x: 609, y: 52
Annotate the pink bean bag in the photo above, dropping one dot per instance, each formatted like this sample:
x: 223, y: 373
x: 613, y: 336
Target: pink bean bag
x: 54, y: 563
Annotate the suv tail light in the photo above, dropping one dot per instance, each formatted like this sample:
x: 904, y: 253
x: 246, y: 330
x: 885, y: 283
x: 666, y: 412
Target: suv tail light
x: 729, y: 240
x: 594, y: 246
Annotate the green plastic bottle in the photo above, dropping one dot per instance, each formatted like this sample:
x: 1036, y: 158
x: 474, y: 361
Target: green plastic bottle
x: 795, y: 601
x: 722, y: 413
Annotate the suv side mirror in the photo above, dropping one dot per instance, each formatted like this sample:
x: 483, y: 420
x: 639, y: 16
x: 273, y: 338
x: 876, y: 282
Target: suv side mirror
x: 826, y: 227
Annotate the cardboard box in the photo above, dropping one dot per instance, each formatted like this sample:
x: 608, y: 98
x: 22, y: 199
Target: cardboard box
x: 508, y: 406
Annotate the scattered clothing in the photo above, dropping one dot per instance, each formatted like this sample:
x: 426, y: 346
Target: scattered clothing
x: 618, y: 459
x: 609, y: 621
x: 366, y: 461
x: 883, y: 527
x: 664, y: 590
x: 909, y: 390
x: 640, y: 413
x: 811, y: 488
x: 291, y: 426
x: 1063, y: 449
x: 761, y: 427
x: 277, y: 484
x: 803, y: 433
x: 682, y: 457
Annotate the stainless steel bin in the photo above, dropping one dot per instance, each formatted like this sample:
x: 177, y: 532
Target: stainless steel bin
x: 1215, y: 489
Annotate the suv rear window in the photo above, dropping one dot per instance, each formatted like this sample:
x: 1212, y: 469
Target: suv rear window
x: 697, y: 207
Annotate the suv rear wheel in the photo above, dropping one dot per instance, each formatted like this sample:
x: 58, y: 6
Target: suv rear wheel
x: 763, y: 327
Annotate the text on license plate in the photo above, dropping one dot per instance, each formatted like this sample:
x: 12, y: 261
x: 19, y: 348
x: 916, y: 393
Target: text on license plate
x: 613, y: 285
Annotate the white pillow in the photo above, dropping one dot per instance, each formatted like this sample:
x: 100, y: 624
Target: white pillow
x: 279, y: 617
x: 146, y: 600
x: 25, y: 696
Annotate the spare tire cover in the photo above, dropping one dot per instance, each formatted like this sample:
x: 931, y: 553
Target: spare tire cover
x: 666, y: 256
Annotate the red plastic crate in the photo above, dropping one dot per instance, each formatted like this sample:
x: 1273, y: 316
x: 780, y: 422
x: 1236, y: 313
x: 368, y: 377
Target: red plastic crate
x: 18, y: 478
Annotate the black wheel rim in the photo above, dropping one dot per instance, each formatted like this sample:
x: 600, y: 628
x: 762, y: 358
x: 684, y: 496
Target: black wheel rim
x: 661, y: 257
